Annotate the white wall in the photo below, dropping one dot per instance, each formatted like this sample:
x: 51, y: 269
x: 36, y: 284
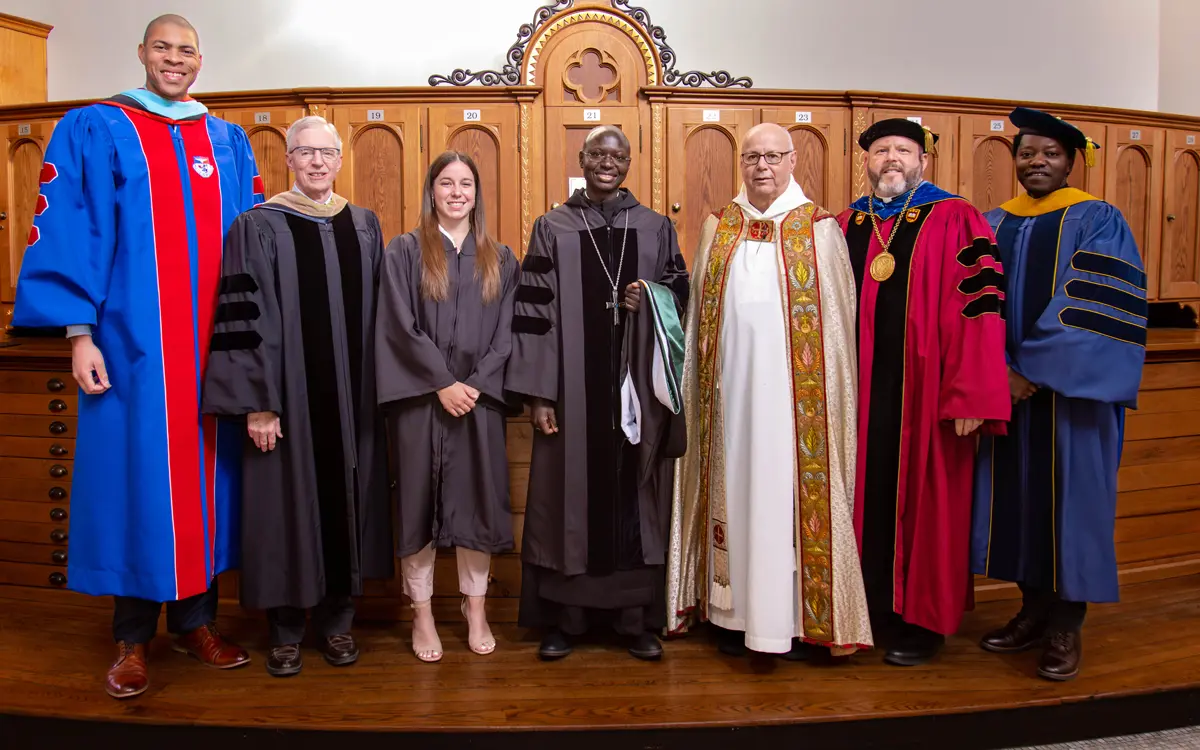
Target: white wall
x: 1179, y: 58
x: 1099, y: 52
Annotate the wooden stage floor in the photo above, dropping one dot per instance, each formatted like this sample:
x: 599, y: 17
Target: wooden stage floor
x: 1141, y: 671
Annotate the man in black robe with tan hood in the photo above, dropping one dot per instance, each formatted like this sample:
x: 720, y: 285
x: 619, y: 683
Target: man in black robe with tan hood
x: 293, y: 353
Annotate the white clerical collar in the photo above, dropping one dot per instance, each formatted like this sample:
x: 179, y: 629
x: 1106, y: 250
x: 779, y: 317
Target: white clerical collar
x: 325, y: 202
x: 792, y: 198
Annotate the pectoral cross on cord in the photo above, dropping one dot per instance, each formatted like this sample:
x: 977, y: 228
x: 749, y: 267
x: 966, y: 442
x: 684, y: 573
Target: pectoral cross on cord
x: 614, y: 305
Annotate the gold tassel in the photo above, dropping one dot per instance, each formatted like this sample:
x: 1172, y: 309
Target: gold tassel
x: 929, y: 147
x: 1089, y: 154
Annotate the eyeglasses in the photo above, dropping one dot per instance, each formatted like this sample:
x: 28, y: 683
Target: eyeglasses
x: 772, y: 157
x: 600, y: 156
x: 304, y: 153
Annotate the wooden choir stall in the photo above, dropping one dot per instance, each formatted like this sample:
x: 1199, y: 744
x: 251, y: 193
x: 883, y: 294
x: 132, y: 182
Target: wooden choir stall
x: 575, y: 66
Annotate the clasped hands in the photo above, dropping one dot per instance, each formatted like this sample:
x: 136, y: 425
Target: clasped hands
x: 458, y: 399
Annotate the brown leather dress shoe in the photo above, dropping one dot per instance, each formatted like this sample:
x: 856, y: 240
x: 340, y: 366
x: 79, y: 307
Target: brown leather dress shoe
x: 1060, y: 660
x: 207, y: 645
x: 127, y: 676
x: 1020, y: 634
x: 339, y: 650
x: 284, y: 661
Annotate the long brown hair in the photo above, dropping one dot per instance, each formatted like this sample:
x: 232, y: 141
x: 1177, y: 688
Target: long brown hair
x: 435, y: 276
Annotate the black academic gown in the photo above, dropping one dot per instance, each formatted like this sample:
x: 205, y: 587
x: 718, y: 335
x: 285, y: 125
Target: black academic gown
x: 294, y: 335
x: 452, y: 472
x: 595, y: 537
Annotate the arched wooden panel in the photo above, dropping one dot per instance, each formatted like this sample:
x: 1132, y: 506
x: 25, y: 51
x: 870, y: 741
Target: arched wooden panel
x: 26, y: 172
x: 812, y: 156
x: 379, y: 178
x: 270, y: 153
x: 484, y: 150
x: 1133, y: 189
x: 711, y: 185
x: 1183, y: 246
x: 589, y: 63
x: 993, y: 177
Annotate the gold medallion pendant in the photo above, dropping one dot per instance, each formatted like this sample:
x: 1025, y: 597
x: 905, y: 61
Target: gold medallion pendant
x: 883, y: 266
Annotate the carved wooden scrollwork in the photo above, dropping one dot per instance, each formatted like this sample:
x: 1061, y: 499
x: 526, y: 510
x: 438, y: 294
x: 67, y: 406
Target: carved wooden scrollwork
x: 672, y: 77
x: 510, y: 74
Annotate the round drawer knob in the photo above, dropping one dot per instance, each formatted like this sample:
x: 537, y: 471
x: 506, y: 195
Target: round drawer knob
x: 57, y: 405
x: 57, y: 493
x: 57, y: 450
x: 57, y: 428
x: 58, y: 579
x: 58, y: 536
x: 55, y: 385
x: 58, y: 514
x: 59, y: 556
x: 675, y: 207
x: 58, y: 471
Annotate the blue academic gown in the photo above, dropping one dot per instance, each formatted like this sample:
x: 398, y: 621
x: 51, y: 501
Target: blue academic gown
x: 1046, y: 494
x: 136, y: 197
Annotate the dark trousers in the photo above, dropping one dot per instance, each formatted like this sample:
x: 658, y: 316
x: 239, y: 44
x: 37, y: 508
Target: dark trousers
x: 1058, y: 613
x: 136, y: 620
x: 333, y: 616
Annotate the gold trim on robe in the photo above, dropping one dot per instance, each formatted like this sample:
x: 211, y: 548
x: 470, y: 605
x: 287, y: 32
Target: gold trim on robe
x: 699, y: 499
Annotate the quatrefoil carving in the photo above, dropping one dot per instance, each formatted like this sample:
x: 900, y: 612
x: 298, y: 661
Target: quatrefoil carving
x: 591, y: 75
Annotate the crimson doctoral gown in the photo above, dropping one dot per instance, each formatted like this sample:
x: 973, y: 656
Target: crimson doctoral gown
x: 931, y: 350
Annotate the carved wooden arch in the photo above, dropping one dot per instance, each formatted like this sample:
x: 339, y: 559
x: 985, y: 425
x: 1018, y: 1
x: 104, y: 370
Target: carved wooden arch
x: 613, y: 18
x: 521, y: 63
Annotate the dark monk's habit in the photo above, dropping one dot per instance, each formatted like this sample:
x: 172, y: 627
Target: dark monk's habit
x: 595, y: 537
x: 452, y: 472
x: 295, y: 336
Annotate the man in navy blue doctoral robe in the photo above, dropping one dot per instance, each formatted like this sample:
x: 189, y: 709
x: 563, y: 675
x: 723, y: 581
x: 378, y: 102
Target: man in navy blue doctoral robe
x: 1046, y: 494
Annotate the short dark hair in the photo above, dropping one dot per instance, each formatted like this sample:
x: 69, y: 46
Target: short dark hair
x: 174, y: 20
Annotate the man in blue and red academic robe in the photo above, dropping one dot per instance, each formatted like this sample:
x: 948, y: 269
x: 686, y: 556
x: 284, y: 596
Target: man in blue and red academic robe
x: 125, y: 252
x: 931, y: 374
x: 1046, y: 495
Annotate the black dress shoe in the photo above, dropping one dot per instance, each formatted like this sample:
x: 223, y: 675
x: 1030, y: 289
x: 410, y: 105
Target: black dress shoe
x: 1020, y: 634
x: 731, y: 642
x: 555, y: 645
x: 646, y: 647
x: 1060, y: 660
x: 284, y: 661
x: 339, y: 650
x: 801, y: 651
x: 915, y: 647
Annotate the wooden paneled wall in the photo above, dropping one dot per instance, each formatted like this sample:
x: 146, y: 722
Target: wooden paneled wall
x: 595, y: 65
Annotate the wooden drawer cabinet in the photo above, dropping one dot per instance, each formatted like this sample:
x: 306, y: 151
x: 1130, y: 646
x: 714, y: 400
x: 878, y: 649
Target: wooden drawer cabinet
x: 24, y: 574
x: 18, y: 425
x: 34, y: 554
x: 36, y: 447
x: 34, y: 533
x: 35, y: 490
x: 38, y: 404
x: 57, y: 383
x: 33, y: 512
x: 35, y: 468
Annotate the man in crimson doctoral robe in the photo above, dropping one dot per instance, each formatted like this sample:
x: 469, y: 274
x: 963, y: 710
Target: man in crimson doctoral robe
x: 931, y: 374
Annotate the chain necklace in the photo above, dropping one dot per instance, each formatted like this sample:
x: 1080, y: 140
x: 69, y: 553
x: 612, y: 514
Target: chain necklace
x: 884, y: 264
x: 612, y: 305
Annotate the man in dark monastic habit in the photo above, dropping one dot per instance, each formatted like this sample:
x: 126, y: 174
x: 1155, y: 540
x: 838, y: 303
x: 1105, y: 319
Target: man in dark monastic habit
x: 597, y: 516
x: 294, y: 355
x: 931, y: 374
x: 1046, y: 494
